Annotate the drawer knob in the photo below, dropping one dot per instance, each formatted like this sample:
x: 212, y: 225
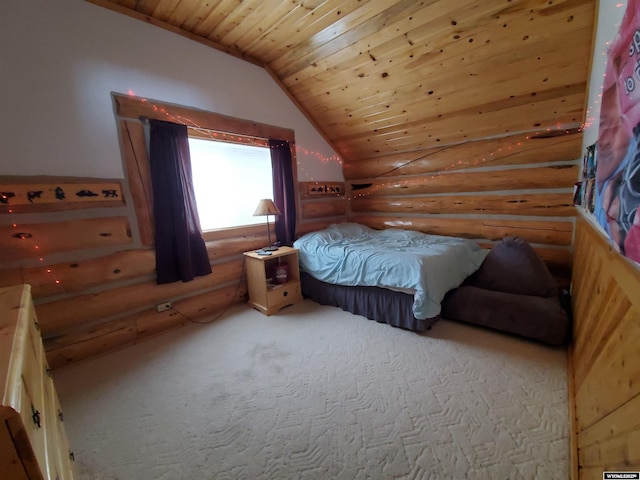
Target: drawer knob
x: 35, y: 416
x: 72, y: 456
x: 61, y: 415
x: 285, y: 293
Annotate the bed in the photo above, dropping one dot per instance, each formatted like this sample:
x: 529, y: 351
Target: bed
x: 392, y: 276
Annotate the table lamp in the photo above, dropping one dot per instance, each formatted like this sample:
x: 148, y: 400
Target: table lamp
x: 267, y: 207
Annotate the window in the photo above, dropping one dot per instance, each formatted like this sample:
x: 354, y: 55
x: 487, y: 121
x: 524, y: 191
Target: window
x: 130, y: 109
x: 229, y: 179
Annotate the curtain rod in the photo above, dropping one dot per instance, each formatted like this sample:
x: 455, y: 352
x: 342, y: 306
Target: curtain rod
x: 203, y: 130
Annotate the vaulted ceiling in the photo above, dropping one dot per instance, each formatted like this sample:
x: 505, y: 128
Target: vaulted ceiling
x: 381, y: 77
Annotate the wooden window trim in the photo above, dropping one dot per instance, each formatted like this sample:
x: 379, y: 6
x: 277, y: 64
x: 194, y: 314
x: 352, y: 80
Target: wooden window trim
x: 129, y: 109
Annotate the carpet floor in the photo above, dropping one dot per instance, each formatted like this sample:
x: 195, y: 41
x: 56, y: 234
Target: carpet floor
x: 318, y: 393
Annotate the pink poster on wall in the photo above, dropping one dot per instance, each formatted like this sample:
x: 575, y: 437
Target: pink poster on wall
x: 618, y: 156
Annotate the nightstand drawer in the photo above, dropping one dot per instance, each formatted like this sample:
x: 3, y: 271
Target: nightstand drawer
x: 282, y: 294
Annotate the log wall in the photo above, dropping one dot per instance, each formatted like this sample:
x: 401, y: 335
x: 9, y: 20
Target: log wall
x: 321, y: 204
x: 89, y: 255
x: 605, y: 357
x: 516, y: 185
x: 93, y: 283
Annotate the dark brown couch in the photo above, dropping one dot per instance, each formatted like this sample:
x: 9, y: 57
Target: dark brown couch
x: 513, y: 291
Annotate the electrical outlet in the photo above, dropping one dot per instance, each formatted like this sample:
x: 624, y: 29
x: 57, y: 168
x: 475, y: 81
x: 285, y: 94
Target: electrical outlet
x: 163, y: 307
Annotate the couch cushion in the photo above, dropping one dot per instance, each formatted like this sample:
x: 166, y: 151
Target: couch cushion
x: 513, y: 266
x: 534, y: 317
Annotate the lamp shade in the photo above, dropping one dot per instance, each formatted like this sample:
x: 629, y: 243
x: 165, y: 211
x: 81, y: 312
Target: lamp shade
x: 266, y: 207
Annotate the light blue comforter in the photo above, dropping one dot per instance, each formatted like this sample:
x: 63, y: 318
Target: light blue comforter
x: 356, y: 255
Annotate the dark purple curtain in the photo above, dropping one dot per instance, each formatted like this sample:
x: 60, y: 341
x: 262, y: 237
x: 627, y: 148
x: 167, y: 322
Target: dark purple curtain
x: 283, y: 193
x: 180, y: 250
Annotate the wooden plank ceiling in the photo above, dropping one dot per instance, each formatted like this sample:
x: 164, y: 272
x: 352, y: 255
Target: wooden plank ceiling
x: 390, y: 76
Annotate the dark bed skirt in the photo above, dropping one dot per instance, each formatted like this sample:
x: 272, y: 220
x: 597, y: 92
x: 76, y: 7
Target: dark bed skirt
x: 379, y: 304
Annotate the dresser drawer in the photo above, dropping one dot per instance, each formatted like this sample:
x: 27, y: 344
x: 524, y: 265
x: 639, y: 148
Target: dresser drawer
x: 30, y: 402
x: 59, y: 457
x: 36, y: 444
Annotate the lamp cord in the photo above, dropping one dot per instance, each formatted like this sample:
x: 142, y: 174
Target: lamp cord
x: 224, y: 310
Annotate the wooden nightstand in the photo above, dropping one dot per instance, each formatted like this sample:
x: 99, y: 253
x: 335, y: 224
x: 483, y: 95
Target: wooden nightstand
x: 265, y: 294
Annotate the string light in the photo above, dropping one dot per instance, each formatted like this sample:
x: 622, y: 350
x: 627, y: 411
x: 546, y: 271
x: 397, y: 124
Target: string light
x: 454, y: 166
x: 230, y: 137
x: 26, y: 236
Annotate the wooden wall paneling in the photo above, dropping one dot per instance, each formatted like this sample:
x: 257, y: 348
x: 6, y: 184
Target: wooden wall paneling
x: 483, y: 63
x: 300, y: 26
x: 396, y: 76
x: 617, y: 453
x: 36, y: 240
x: 296, y: 26
x: 82, y: 344
x: 238, y: 26
x: 136, y: 163
x: 607, y: 307
x: 534, y: 231
x: 198, y: 308
x: 61, y: 315
x: 603, y: 308
x: 591, y: 473
x: 191, y: 15
x: 75, y: 277
x: 326, y: 208
x: 145, y: 17
x: 621, y: 427
x: 605, y: 356
x: 223, y: 249
x: 368, y: 19
x: 602, y: 390
x: 460, y: 103
x: 226, y: 243
x: 474, y: 41
x: 51, y: 194
x: 134, y: 107
x: 537, y: 204
x: 509, y: 150
x: 313, y: 226
x: 316, y: 190
x: 557, y: 176
x: 429, y: 132
x: 248, y: 232
x: 430, y: 30
x: 98, y: 339
x: 557, y: 259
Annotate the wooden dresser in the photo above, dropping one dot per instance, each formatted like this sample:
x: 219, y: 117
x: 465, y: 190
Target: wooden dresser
x: 33, y: 443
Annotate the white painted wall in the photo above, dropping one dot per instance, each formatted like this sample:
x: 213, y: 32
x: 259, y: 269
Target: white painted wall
x: 60, y: 60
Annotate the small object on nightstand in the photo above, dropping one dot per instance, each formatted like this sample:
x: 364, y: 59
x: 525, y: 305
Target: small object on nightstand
x: 263, y: 253
x: 281, y: 272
